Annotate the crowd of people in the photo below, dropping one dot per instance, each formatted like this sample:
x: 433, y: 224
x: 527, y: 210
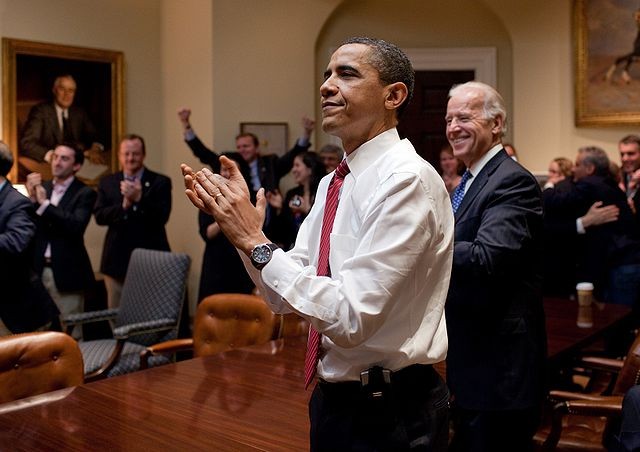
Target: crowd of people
x: 371, y: 248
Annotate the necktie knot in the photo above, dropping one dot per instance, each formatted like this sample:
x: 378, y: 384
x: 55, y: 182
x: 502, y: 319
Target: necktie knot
x: 458, y: 194
x: 342, y: 170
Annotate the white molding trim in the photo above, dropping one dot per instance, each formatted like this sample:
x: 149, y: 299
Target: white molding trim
x: 482, y: 60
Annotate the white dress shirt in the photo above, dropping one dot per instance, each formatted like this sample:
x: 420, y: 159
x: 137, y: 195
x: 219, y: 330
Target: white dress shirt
x: 390, y: 256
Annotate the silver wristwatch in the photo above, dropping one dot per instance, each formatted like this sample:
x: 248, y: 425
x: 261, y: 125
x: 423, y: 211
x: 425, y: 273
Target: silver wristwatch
x: 261, y: 254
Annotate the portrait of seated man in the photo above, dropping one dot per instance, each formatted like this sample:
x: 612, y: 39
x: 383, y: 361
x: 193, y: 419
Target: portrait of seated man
x: 53, y: 122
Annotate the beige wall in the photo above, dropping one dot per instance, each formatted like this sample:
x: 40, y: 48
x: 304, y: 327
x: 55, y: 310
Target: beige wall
x: 260, y: 60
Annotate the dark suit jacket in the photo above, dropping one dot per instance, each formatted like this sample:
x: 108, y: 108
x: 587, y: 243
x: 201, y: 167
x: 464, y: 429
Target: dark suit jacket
x: 635, y: 199
x: 271, y: 167
x: 495, y: 319
x: 24, y: 305
x: 63, y: 226
x: 142, y: 226
x: 605, y: 246
x: 560, y: 247
x: 42, y: 131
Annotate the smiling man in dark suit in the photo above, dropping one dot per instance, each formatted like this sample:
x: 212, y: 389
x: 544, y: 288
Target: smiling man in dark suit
x: 495, y: 320
x: 63, y: 210
x: 135, y: 203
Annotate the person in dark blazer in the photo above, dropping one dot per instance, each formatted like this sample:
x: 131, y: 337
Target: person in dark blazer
x: 58, y: 121
x: 608, y: 255
x: 135, y: 204
x: 24, y: 306
x: 495, y: 318
x: 63, y: 209
x: 258, y: 170
x: 629, y: 148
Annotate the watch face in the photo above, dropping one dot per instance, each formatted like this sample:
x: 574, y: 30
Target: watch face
x: 261, y: 254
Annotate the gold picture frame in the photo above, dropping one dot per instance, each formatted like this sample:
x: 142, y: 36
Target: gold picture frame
x: 29, y: 69
x: 607, y: 78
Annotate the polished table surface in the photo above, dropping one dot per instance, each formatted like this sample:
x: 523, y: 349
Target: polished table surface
x: 238, y: 400
x: 564, y: 337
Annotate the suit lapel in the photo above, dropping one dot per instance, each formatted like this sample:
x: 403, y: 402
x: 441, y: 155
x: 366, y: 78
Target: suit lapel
x: 480, y: 181
x: 69, y: 194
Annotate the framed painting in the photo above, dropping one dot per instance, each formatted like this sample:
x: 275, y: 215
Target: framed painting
x: 273, y: 136
x: 607, y: 62
x: 82, y: 86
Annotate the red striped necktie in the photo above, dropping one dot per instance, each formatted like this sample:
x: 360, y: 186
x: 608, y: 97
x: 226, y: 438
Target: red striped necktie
x: 331, y: 205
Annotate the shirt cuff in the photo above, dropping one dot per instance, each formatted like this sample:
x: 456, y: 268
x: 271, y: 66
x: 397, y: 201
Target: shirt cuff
x: 579, y: 227
x: 43, y: 207
x: 303, y: 142
x: 189, y: 134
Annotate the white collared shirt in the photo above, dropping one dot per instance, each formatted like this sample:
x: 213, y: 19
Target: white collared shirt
x: 477, y: 167
x: 390, y: 256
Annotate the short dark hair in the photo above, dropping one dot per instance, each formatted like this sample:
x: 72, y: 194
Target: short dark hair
x: 392, y: 64
x: 133, y: 136
x: 78, y: 152
x: 254, y: 138
x: 629, y: 139
x: 6, y: 159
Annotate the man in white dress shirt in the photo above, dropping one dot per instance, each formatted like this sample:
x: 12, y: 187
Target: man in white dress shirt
x: 380, y: 313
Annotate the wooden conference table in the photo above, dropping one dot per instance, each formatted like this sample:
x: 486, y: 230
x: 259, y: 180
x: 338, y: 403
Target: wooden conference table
x: 239, y: 400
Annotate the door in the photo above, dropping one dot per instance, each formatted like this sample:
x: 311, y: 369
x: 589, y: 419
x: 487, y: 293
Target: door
x: 423, y: 121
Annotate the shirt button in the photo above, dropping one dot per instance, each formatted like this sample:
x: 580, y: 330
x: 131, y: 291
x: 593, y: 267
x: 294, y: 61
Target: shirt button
x: 275, y: 283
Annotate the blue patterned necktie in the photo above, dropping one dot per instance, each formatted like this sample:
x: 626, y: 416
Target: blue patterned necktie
x: 458, y: 193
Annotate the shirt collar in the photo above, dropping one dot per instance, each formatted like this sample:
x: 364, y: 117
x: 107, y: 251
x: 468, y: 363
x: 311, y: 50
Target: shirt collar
x: 60, y: 111
x: 477, y: 167
x: 137, y: 175
x: 63, y: 185
x: 368, y: 152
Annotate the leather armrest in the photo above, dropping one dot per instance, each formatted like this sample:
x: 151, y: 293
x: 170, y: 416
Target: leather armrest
x: 173, y: 346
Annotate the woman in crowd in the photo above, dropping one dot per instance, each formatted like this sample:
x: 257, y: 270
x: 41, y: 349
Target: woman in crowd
x: 451, y: 168
x: 560, y: 169
x: 222, y: 269
x: 307, y: 171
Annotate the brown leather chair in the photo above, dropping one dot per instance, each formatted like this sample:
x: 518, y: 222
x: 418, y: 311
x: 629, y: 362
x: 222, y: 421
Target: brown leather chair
x: 224, y: 322
x: 581, y: 422
x: 35, y: 363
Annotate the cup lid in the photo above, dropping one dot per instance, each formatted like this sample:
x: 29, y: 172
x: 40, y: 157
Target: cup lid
x: 584, y: 286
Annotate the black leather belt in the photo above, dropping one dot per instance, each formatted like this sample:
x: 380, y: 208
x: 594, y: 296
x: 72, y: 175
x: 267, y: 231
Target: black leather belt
x: 47, y: 262
x: 402, y: 380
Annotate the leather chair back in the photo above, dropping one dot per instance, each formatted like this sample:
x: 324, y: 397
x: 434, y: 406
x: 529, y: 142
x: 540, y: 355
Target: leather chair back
x: 630, y: 373
x: 226, y: 321
x: 35, y: 363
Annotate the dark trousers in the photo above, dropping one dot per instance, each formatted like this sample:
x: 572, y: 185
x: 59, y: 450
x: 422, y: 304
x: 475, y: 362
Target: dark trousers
x: 414, y: 415
x: 494, y: 431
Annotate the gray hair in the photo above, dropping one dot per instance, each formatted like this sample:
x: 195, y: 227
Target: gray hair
x: 593, y: 155
x: 493, y: 106
x: 332, y: 149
